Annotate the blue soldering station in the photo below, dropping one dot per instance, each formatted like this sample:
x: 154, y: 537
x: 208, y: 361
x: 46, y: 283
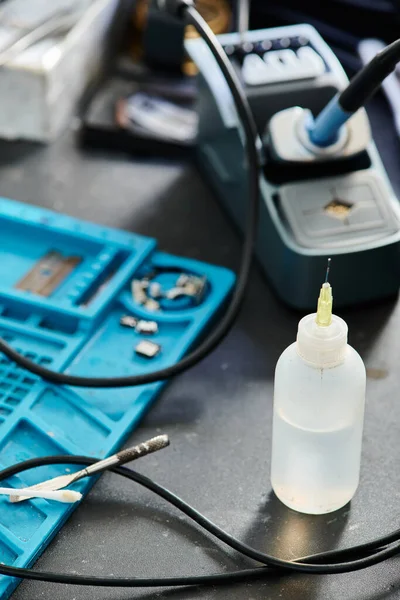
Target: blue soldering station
x: 324, y: 190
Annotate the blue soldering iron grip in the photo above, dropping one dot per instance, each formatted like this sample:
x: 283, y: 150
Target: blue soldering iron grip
x: 324, y: 130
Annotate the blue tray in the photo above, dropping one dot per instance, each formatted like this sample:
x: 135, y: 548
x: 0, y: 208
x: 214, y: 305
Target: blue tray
x: 66, y: 331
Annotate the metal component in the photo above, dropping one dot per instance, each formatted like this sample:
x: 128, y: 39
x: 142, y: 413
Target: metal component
x: 155, y: 290
x: 147, y: 327
x: 195, y: 285
x: 128, y: 321
x: 149, y: 293
x: 176, y: 292
x: 188, y: 285
x: 152, y: 305
x: 138, y: 292
x: 139, y: 325
x: 153, y: 445
x: 182, y: 280
x: 328, y: 268
x: 140, y: 288
x: 147, y: 349
x: 47, y: 274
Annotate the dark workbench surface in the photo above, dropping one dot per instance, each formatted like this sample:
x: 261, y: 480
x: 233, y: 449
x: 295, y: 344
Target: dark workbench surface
x: 218, y: 415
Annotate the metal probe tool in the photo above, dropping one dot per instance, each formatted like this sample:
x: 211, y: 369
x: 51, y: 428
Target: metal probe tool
x: 120, y: 458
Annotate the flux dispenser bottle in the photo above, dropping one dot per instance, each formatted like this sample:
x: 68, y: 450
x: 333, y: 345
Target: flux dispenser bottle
x: 319, y: 399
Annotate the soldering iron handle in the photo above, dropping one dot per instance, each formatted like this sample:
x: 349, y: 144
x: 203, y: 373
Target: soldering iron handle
x: 324, y: 130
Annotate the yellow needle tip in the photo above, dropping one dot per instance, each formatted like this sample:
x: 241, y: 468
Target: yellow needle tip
x: 325, y: 303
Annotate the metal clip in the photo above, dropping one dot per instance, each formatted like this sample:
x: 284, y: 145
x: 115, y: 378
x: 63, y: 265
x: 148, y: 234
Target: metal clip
x: 147, y: 327
x: 188, y: 285
x: 128, y: 321
x: 147, y: 349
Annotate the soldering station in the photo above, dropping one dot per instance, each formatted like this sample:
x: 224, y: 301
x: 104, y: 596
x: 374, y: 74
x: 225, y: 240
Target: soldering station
x: 94, y: 320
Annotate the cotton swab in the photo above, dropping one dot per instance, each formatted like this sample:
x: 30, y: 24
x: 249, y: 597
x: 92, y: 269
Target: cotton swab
x: 67, y: 496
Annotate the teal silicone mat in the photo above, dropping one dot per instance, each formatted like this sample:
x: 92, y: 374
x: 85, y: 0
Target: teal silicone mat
x: 76, y: 327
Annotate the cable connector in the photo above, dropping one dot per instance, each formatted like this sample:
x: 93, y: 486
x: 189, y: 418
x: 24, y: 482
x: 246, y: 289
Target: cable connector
x: 175, y: 8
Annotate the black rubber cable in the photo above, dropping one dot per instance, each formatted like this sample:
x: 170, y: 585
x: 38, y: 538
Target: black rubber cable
x: 192, y: 17
x: 313, y: 564
x: 369, y: 79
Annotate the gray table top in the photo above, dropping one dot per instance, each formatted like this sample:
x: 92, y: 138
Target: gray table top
x: 218, y: 415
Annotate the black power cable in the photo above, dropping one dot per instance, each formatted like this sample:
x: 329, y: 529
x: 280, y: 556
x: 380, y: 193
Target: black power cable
x: 335, y: 561
x: 184, y: 9
x: 367, y: 81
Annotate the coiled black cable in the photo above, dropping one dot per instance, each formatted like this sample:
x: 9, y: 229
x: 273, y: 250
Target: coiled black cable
x: 335, y: 561
x: 192, y: 17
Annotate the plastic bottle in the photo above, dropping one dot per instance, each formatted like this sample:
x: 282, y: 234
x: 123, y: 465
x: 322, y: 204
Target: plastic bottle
x: 319, y: 400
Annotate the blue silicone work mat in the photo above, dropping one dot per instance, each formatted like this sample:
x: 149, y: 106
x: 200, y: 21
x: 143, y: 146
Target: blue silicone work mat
x: 76, y: 327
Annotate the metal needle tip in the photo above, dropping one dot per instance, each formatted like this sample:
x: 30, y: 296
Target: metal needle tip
x: 328, y: 268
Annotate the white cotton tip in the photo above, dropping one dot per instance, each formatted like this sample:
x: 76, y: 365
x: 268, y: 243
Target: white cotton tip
x: 66, y: 496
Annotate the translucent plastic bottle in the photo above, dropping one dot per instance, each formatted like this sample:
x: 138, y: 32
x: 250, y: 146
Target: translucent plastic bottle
x: 318, y: 417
